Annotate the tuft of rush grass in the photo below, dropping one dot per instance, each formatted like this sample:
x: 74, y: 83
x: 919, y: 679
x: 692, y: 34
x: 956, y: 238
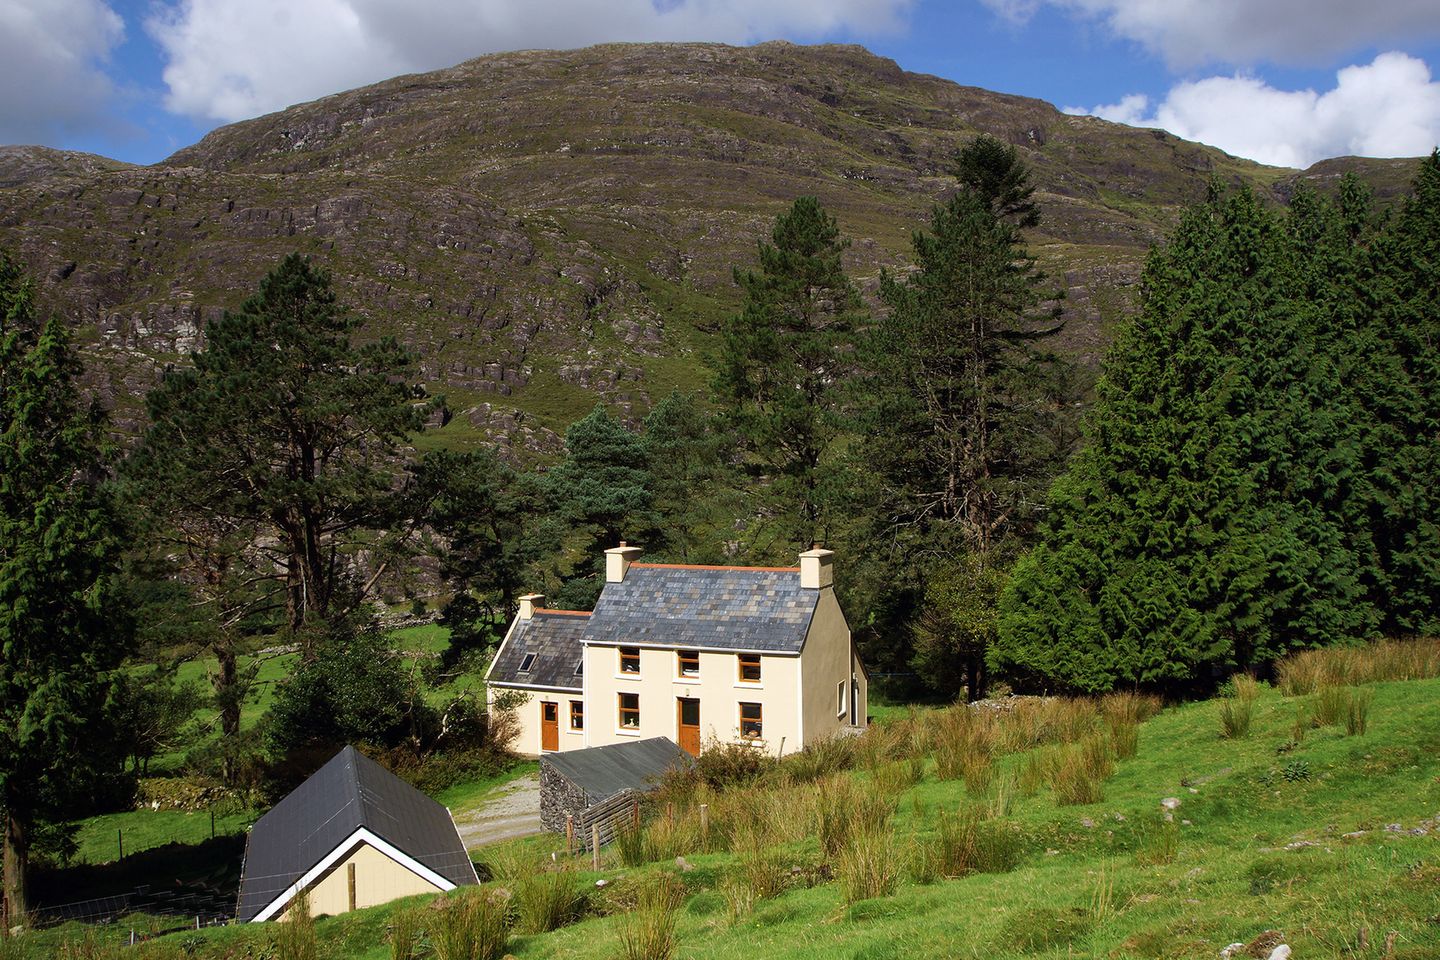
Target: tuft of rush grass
x: 404, y: 935
x: 1236, y: 715
x: 1310, y: 671
x: 295, y: 935
x: 544, y: 900
x: 470, y: 925
x: 648, y: 932
x: 1080, y: 770
x: 869, y: 865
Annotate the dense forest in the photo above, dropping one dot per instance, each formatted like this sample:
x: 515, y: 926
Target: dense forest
x: 1254, y: 472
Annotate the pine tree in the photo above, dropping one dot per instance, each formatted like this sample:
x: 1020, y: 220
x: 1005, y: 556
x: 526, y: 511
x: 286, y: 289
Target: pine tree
x: 783, y: 357
x: 60, y: 629
x: 271, y: 460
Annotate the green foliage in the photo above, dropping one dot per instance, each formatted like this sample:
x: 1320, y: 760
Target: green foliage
x: 1239, y: 498
x: 153, y: 713
x: 354, y: 688
x: 957, y: 623
x: 781, y: 359
x: 61, y: 630
x: 281, y: 435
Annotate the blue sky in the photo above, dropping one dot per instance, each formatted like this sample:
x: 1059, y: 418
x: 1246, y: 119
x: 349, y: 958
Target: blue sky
x: 1281, y: 81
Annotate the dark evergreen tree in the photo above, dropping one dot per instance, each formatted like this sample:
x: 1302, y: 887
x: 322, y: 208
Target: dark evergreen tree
x: 783, y: 357
x: 693, y: 489
x: 962, y: 406
x: 272, y: 459
x: 1210, y: 523
x: 60, y: 629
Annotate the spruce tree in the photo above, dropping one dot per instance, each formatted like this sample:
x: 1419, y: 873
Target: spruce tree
x: 61, y: 631
x: 782, y: 358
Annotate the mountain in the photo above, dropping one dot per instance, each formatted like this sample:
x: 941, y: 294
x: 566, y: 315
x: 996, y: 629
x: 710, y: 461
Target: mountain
x: 548, y: 228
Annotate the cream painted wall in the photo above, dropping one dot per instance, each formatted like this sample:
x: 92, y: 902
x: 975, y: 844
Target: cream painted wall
x: 718, y: 688
x: 825, y: 663
x: 378, y: 879
x: 528, y: 714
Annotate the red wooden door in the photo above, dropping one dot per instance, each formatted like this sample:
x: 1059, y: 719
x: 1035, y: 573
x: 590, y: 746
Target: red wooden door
x: 688, y: 710
x: 549, y: 726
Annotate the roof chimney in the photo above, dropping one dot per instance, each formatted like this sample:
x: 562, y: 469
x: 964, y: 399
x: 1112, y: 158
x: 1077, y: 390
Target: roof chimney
x: 528, y: 603
x: 815, y: 568
x: 618, y: 560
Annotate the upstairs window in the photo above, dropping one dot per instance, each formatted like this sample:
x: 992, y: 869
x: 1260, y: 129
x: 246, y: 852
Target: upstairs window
x: 630, y: 711
x: 688, y: 663
x: 749, y: 667
x: 577, y: 714
x: 750, y: 721
x: 526, y: 662
x: 629, y: 659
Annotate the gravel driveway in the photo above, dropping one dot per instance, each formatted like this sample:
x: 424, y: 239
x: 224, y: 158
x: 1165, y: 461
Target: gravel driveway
x: 514, y: 811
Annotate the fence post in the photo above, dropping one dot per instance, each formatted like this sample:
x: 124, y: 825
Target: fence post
x: 705, y: 825
x: 120, y: 842
x: 350, y: 882
x: 212, y: 824
x: 569, y: 834
x: 595, y: 845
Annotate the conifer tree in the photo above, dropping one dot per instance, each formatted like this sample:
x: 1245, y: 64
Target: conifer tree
x: 1209, y: 525
x: 783, y: 356
x: 60, y: 628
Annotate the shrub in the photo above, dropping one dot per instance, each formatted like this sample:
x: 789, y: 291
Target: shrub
x: 470, y: 926
x: 648, y: 933
x: 724, y: 765
x: 545, y: 900
x: 868, y: 866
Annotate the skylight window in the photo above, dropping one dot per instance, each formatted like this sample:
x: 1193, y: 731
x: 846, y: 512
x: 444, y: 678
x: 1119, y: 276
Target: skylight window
x: 526, y: 663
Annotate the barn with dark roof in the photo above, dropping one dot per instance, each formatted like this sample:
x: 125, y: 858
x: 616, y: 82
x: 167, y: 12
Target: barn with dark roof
x: 695, y: 653
x: 352, y: 835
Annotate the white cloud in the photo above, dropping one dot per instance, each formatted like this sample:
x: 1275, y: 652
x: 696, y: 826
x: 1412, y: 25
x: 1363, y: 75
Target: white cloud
x: 230, y: 59
x: 1388, y: 108
x: 52, y: 54
x: 1192, y: 32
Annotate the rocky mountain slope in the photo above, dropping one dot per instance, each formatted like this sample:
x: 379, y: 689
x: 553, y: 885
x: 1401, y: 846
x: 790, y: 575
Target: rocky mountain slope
x: 548, y: 228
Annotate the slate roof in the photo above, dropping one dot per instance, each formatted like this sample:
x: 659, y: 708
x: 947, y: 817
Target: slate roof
x: 605, y: 771
x: 728, y: 608
x: 554, y: 638
x: 349, y: 792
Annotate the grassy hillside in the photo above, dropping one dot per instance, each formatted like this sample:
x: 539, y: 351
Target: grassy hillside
x: 1301, y: 829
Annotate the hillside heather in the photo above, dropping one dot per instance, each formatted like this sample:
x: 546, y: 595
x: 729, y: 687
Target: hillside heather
x: 549, y: 228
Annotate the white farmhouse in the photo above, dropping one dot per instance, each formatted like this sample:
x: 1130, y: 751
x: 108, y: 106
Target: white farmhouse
x: 699, y: 654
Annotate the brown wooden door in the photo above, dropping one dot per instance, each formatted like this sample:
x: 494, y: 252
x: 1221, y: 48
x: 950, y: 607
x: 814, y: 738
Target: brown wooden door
x: 688, y: 710
x: 549, y: 726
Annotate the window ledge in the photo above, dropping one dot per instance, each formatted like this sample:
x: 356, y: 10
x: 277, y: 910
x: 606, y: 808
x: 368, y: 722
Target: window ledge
x: 691, y: 681
x: 628, y: 733
x: 628, y: 676
x: 749, y: 685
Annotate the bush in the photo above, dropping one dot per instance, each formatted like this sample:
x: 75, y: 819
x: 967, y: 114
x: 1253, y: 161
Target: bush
x: 724, y: 765
x: 648, y: 933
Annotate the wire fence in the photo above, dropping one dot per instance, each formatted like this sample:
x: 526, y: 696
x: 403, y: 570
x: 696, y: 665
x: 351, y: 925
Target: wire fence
x: 205, y: 906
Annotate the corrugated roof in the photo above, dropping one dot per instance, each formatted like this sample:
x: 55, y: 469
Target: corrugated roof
x: 605, y: 771
x: 728, y: 608
x: 553, y: 636
x: 349, y: 792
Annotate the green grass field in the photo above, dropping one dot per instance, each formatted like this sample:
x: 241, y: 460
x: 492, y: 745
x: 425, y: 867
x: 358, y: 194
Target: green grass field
x: 1334, y: 841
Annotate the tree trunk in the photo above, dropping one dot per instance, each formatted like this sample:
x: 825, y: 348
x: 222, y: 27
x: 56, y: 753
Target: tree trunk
x: 225, y: 682
x: 17, y: 858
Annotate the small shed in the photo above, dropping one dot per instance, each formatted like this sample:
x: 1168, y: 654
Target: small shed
x: 573, y: 783
x: 353, y: 835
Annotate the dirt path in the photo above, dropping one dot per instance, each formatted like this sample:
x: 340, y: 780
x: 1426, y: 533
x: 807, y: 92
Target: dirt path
x: 512, y: 811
